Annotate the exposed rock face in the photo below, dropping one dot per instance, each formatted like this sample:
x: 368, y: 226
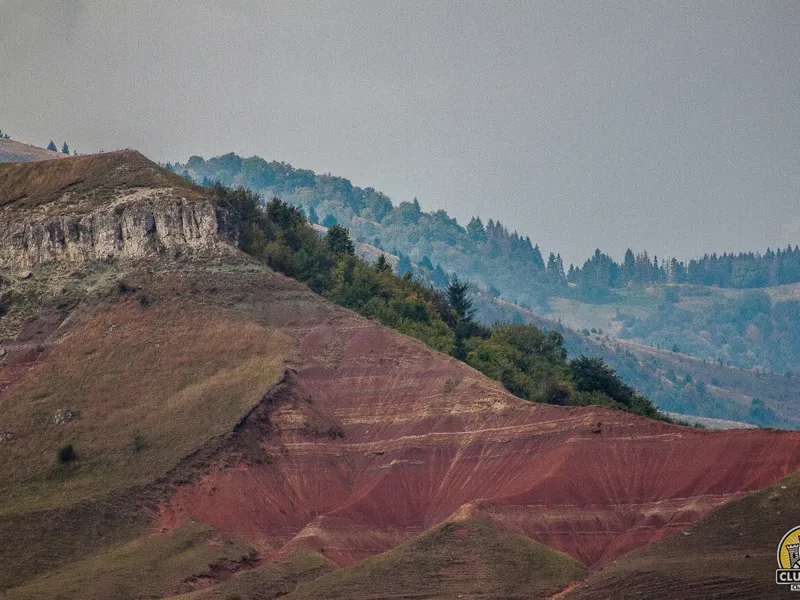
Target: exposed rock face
x: 136, y: 224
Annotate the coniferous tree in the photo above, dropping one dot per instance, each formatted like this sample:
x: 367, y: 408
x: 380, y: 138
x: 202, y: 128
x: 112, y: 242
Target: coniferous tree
x: 339, y: 241
x: 65, y: 148
x: 628, y: 266
x: 404, y: 264
x: 475, y: 230
x: 382, y: 265
x: 459, y: 299
x: 52, y: 146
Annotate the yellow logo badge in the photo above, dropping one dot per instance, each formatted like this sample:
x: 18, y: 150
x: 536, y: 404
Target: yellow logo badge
x: 788, y: 572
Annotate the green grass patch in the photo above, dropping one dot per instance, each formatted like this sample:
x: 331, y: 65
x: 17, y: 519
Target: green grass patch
x: 150, y: 566
x: 469, y: 559
x: 270, y: 580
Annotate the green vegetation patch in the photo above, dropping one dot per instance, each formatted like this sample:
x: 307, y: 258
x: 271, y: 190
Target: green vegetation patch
x: 271, y: 580
x: 149, y: 566
x: 470, y: 559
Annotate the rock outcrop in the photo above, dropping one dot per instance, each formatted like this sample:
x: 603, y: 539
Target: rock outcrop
x: 137, y: 224
x: 115, y: 205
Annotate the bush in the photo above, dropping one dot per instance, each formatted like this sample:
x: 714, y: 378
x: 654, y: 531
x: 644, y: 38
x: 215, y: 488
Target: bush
x: 67, y: 454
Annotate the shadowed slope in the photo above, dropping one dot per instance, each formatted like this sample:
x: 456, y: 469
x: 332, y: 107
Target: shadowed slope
x: 268, y: 581
x: 144, y: 567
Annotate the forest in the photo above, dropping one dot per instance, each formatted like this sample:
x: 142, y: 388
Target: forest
x: 504, y: 259
x: 530, y: 362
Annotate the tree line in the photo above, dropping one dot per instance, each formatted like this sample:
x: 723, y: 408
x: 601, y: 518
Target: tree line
x: 743, y: 270
x: 501, y: 259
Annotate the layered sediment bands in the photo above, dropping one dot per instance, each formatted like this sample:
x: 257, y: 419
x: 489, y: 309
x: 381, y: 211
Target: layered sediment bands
x: 136, y: 224
x: 381, y: 438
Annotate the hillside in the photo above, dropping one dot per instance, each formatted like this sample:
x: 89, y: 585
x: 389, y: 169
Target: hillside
x: 741, y: 328
x: 729, y: 555
x: 175, y: 415
x: 674, y: 381
x: 12, y: 151
x: 465, y: 558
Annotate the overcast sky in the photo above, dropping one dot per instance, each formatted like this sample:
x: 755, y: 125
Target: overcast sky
x: 667, y: 126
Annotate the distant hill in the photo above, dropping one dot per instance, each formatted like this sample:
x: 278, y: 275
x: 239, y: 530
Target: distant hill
x: 674, y: 381
x: 12, y: 151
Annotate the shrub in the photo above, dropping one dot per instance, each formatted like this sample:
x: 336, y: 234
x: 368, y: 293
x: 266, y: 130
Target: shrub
x: 66, y: 454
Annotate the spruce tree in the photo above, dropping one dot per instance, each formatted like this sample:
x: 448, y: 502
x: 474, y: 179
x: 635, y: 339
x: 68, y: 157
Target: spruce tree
x: 459, y: 299
x: 339, y: 241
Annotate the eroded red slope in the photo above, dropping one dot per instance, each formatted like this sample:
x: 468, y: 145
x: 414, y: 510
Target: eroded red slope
x: 375, y: 438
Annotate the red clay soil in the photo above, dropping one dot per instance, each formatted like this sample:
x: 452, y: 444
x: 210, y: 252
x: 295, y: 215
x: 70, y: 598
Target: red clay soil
x: 375, y: 438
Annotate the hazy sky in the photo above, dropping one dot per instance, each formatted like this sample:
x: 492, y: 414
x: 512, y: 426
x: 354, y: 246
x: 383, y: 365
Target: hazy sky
x: 667, y: 126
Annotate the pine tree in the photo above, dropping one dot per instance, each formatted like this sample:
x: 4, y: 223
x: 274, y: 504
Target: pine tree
x: 339, y: 241
x: 382, y: 265
x: 628, y: 266
x: 475, y: 230
x: 52, y: 147
x: 65, y: 148
x: 459, y: 299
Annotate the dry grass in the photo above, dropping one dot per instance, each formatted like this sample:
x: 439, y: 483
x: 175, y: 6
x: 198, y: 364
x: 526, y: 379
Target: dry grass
x: 89, y: 180
x: 145, y: 386
x: 149, y: 566
x: 463, y: 559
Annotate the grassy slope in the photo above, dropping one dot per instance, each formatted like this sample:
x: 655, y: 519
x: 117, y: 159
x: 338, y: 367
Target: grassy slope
x: 89, y: 180
x: 462, y: 559
x: 145, y: 567
x: 147, y: 386
x: 729, y: 555
x: 270, y: 580
x: 13, y: 151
